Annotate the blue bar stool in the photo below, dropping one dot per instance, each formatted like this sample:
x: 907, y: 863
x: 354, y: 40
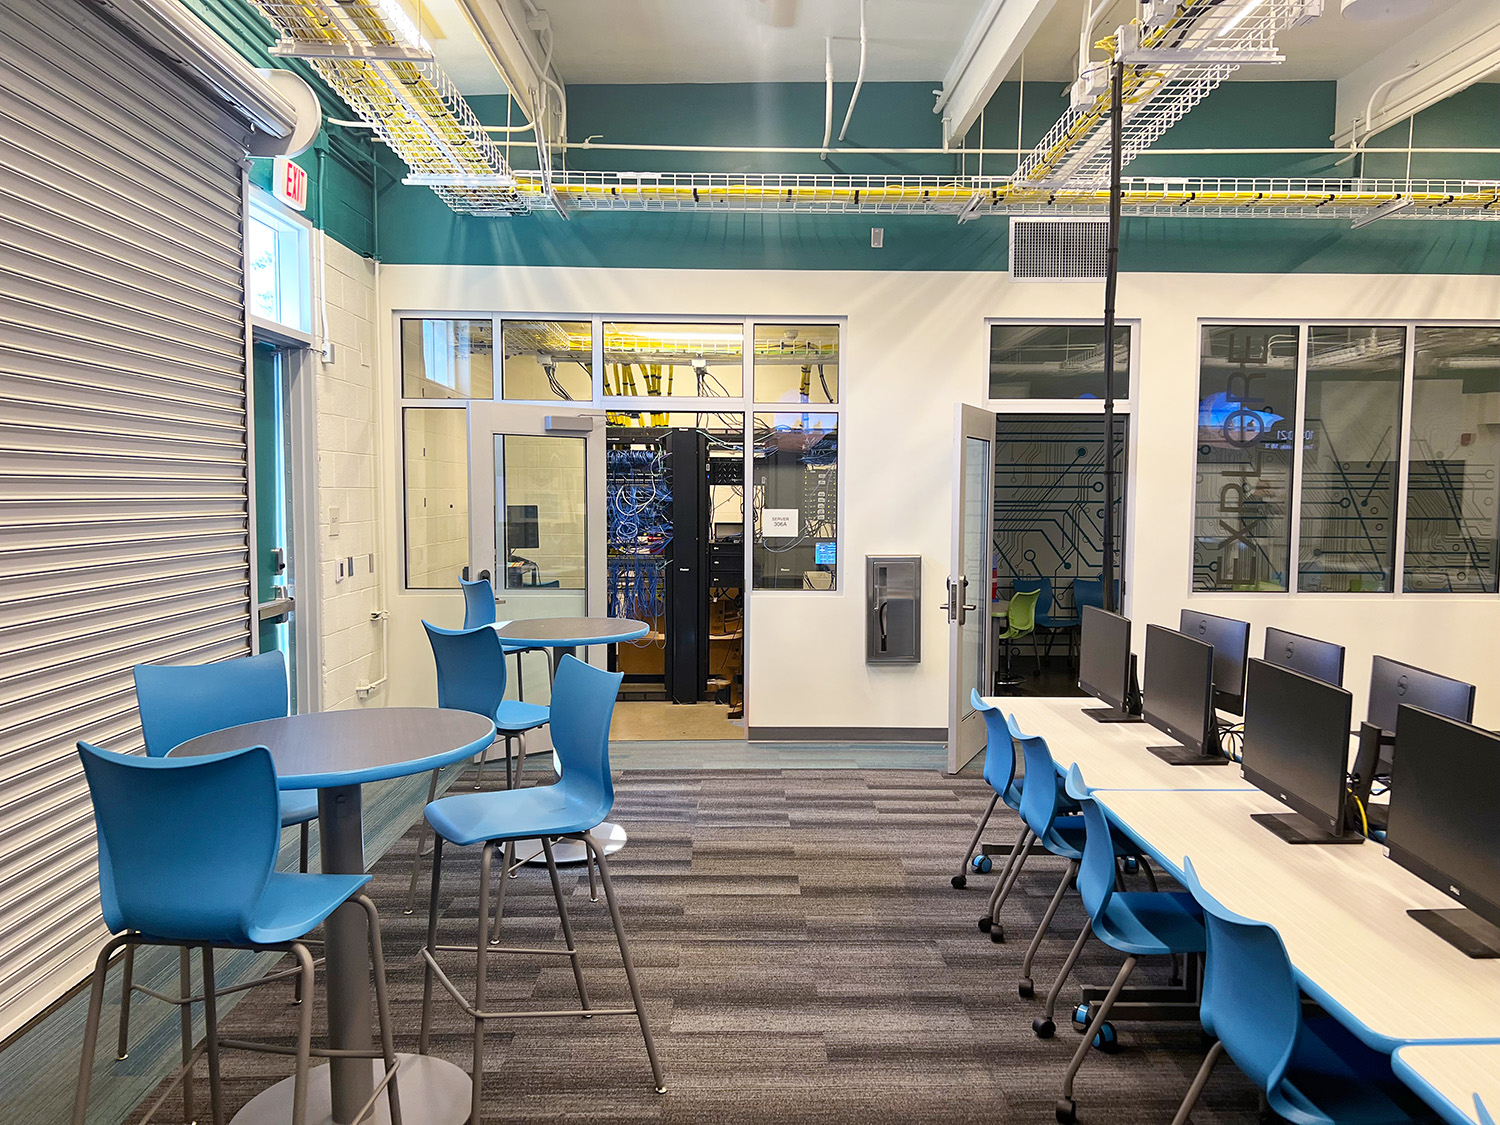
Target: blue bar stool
x: 1000, y: 772
x: 180, y: 702
x: 1312, y: 1071
x: 187, y: 858
x: 570, y: 809
x: 479, y: 609
x: 471, y: 677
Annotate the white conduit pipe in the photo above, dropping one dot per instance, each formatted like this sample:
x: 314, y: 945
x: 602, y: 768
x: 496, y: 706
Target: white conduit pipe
x: 827, y: 97
x: 1354, y: 145
x: 859, y: 79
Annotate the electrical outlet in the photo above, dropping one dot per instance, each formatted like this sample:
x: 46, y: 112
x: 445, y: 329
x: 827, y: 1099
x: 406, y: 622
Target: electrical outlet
x: 338, y: 573
x: 333, y: 523
x: 877, y: 237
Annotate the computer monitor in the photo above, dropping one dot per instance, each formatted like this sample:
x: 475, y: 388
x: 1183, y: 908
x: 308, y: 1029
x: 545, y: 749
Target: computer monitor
x: 1393, y: 683
x: 1178, y: 699
x: 1322, y: 660
x: 1296, y: 748
x: 1443, y: 825
x: 1106, y: 666
x: 1231, y: 641
x: 521, y: 530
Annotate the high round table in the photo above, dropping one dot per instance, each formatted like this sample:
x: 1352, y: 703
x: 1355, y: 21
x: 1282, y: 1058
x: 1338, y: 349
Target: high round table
x: 336, y: 752
x: 565, y: 636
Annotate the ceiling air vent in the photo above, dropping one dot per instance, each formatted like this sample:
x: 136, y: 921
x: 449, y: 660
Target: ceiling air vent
x: 1058, y: 249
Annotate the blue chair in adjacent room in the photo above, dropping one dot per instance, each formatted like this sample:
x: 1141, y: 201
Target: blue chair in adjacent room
x: 1000, y: 772
x: 584, y: 701
x: 1046, y: 620
x: 187, y: 858
x: 1313, y: 1071
x: 471, y: 677
x: 178, y: 702
x: 1136, y: 923
x: 479, y: 609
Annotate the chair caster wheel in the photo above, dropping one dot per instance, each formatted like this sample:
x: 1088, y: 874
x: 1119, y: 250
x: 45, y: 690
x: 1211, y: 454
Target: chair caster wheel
x: 960, y: 882
x: 985, y: 924
x: 1105, y: 1039
x: 1043, y: 1027
x: 997, y: 935
x: 1132, y: 865
x: 1026, y: 988
x: 1067, y: 1111
x: 981, y: 864
x: 1081, y: 1016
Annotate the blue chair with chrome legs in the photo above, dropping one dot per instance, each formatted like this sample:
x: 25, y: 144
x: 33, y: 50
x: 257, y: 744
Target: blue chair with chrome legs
x: 479, y: 609
x: 187, y: 858
x: 1135, y: 923
x: 1312, y: 1071
x: 1000, y: 772
x: 1483, y: 1114
x: 570, y: 809
x: 178, y: 702
x: 471, y: 677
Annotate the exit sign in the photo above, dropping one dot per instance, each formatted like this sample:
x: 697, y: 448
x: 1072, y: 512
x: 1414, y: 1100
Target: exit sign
x: 289, y: 183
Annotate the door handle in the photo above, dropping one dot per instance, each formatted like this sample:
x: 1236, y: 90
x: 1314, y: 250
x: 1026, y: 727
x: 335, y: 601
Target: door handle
x: 276, y: 609
x: 484, y: 575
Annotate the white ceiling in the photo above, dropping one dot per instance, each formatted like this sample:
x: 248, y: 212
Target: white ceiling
x: 659, y: 41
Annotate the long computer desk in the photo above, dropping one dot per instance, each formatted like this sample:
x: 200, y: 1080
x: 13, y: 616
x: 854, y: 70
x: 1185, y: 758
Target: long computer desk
x: 1448, y: 1075
x: 1111, y: 755
x: 1340, y: 909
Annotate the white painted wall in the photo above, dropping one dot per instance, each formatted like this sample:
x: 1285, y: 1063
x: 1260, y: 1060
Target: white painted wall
x: 915, y: 345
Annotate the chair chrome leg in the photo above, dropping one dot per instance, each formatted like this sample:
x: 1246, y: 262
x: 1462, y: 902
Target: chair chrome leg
x: 509, y: 777
x: 567, y: 927
x: 126, y: 989
x: 1067, y: 969
x: 486, y: 862
x: 382, y: 1008
x: 211, y: 1016
x: 1200, y: 1080
x: 1046, y: 923
x: 963, y: 867
x: 509, y: 861
x: 588, y: 862
x: 484, y: 756
x: 185, y: 982
x: 1005, y: 873
x: 1099, y: 1015
x: 304, y: 1035
x: 302, y: 867
x: 91, y: 1027
x: 1002, y: 892
x: 521, y: 761
x: 416, y: 862
x: 635, y: 991
x: 432, y: 921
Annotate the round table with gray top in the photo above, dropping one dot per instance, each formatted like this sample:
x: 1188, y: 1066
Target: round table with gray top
x: 564, y: 636
x: 336, y: 752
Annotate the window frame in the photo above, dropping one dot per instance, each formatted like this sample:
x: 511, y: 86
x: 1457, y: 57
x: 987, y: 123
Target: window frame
x: 298, y: 268
x: 1061, y: 405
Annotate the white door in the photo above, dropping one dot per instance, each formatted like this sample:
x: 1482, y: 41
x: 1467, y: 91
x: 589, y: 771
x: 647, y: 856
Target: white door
x: 536, y: 523
x: 968, y: 602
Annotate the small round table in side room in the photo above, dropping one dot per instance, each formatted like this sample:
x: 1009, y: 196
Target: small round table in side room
x: 564, y: 636
x: 336, y: 752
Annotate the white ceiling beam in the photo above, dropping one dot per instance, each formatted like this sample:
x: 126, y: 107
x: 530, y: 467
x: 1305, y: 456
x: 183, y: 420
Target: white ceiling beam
x: 992, y: 47
x: 1451, y: 51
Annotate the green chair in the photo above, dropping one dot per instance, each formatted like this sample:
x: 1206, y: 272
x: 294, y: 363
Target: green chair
x: 1020, y: 621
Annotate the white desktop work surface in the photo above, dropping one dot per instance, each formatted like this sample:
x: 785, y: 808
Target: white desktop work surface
x: 1448, y: 1075
x: 1111, y: 755
x: 1340, y: 909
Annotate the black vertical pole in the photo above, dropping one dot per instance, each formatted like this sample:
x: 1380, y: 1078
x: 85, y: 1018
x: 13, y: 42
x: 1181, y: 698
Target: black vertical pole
x: 1111, y: 280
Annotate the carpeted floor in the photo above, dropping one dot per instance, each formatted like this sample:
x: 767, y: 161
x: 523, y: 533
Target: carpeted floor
x: 805, y: 960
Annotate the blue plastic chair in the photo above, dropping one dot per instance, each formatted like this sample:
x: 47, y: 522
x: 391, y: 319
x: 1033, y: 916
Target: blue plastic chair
x: 187, y: 857
x: 178, y: 702
x: 584, y: 702
x: 1482, y: 1113
x: 1000, y: 772
x: 1135, y: 923
x: 479, y: 609
x: 1056, y: 826
x: 1313, y: 1071
x: 471, y: 677
x: 1045, y: 620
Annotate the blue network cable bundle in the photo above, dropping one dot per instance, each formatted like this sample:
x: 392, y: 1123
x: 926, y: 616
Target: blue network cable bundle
x: 638, y: 531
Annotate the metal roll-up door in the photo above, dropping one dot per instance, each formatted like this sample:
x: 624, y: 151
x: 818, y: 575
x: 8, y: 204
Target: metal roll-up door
x: 123, y: 468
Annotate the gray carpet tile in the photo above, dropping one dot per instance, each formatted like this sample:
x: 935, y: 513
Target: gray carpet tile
x: 804, y: 959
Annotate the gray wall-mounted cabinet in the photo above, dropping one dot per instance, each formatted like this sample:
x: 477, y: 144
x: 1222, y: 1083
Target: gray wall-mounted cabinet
x: 893, y: 609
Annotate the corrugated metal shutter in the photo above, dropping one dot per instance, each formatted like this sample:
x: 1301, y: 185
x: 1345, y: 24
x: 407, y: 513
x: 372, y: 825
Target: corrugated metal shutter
x: 123, y: 475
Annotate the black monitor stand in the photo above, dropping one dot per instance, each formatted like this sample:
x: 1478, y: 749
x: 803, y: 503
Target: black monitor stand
x: 1111, y: 715
x: 1295, y: 828
x: 1182, y: 756
x: 1466, y: 931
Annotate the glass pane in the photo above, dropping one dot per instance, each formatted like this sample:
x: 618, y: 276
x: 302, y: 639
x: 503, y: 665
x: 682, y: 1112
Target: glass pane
x: 437, y: 496
x: 260, y: 253
x: 1247, y: 394
x: 1055, y: 361
x: 797, y: 363
x: 977, y: 497
x: 1455, y: 458
x: 796, y: 501
x: 447, y: 358
x: 548, y: 359
x: 1352, y: 443
x: 685, y: 360
x: 540, y: 526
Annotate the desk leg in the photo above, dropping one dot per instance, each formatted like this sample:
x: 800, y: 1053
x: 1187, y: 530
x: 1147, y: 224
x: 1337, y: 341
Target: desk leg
x: 343, y: 850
